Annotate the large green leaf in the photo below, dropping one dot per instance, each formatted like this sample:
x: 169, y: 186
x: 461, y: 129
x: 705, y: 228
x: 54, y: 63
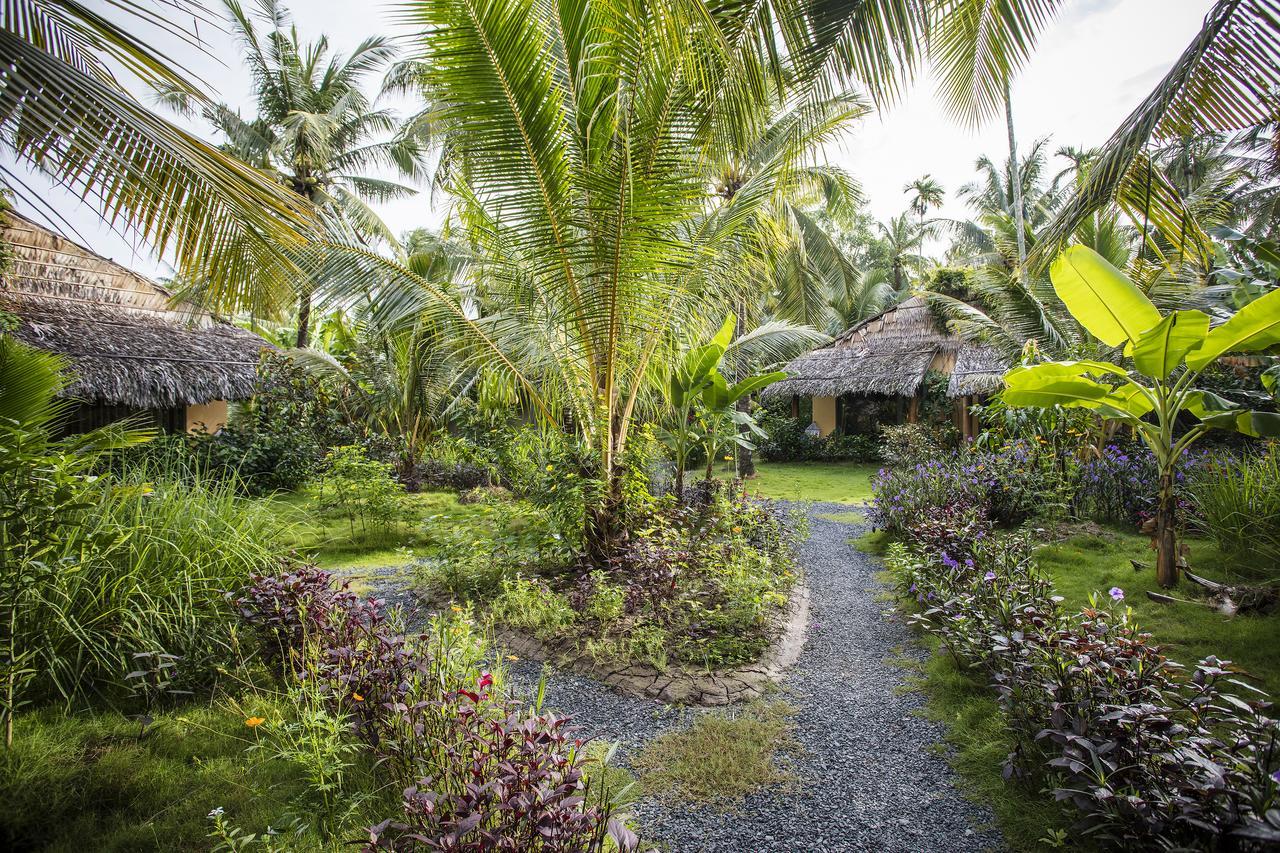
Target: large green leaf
x: 1206, y: 404
x: 1037, y: 374
x: 1100, y: 297
x: 1130, y: 399
x: 754, y: 383
x: 1254, y: 327
x: 1068, y: 392
x: 1159, y: 350
x: 1256, y: 424
x: 715, y: 394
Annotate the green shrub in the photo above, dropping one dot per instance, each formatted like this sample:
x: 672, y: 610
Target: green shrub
x: 1236, y: 503
x: 361, y: 490
x: 530, y: 605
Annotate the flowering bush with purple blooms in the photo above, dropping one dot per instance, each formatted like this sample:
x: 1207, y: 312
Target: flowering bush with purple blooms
x: 1005, y: 486
x: 1150, y: 757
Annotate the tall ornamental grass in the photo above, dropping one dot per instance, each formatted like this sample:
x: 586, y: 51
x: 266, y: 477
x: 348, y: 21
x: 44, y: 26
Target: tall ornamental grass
x: 1236, y: 503
x: 144, y: 572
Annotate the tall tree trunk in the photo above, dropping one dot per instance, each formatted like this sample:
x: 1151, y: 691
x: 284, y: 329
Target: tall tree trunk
x: 304, y: 318
x: 304, y: 188
x: 745, y: 459
x: 1166, y: 533
x: 1015, y: 179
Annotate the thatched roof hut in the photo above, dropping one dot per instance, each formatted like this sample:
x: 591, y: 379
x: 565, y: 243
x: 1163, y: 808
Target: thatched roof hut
x: 128, y: 343
x: 886, y: 358
x: 890, y: 354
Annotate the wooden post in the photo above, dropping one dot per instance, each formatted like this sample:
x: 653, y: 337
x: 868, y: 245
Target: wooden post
x: 795, y: 405
x: 913, y: 411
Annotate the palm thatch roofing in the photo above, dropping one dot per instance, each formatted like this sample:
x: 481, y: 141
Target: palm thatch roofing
x: 127, y: 341
x: 890, y: 354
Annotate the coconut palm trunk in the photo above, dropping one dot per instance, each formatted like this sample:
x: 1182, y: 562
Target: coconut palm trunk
x: 1015, y: 179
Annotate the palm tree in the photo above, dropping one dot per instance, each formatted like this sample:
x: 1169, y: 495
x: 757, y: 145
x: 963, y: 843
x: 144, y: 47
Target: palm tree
x: 582, y: 149
x: 902, y: 239
x: 64, y: 112
x: 925, y: 193
x: 316, y: 131
x: 1224, y: 82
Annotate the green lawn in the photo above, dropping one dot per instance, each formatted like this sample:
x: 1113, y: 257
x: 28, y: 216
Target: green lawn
x: 1089, y: 563
x: 332, y: 543
x: 825, y: 482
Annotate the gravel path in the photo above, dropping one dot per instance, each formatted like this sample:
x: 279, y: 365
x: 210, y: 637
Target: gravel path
x: 868, y: 777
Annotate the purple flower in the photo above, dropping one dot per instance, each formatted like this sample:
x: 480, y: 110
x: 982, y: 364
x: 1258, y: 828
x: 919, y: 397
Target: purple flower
x: 913, y: 588
x: 968, y: 562
x: 989, y: 576
x: 1275, y: 777
x: 1117, y: 594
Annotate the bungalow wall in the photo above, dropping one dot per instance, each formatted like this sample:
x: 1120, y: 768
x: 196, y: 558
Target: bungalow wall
x: 204, y: 417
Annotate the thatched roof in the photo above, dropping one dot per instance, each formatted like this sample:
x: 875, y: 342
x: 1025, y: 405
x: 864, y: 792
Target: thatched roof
x: 127, y: 341
x: 978, y: 371
x: 890, y: 354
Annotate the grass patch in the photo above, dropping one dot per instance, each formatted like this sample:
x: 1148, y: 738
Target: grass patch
x: 979, y: 742
x: 1083, y: 564
x: 853, y: 517
x: 328, y: 538
x: 824, y: 482
x: 721, y: 757
x: 77, y: 780
x: 873, y: 542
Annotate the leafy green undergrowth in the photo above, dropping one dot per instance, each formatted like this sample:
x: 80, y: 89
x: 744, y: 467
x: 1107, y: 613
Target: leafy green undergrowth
x: 328, y: 538
x: 721, y: 757
x: 1096, y: 562
x: 70, y: 779
x: 822, y: 482
x: 978, y: 740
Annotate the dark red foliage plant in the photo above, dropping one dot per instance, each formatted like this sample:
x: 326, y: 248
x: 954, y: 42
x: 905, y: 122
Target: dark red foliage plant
x: 478, y: 771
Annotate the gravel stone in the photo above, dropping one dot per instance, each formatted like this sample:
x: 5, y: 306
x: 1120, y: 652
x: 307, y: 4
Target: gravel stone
x: 868, y: 777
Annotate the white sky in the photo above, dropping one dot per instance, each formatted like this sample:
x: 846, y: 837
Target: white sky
x: 1093, y: 66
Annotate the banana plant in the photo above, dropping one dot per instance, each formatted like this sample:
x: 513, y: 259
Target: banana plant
x: 720, y: 416
x: 1165, y: 354
x: 702, y: 402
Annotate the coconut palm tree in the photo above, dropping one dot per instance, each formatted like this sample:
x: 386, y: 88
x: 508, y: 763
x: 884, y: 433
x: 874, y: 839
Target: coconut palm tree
x: 902, y: 240
x: 583, y: 150
x: 316, y: 130
x: 64, y: 112
x: 1226, y: 81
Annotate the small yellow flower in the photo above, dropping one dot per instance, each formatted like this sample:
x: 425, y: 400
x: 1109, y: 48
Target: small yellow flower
x: 737, y: 529
x: 455, y: 608
x: 551, y: 468
x: 254, y: 722
x: 728, y: 459
x: 512, y: 657
x: 357, y: 697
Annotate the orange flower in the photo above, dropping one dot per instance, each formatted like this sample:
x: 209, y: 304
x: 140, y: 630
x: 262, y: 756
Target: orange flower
x: 357, y: 697
x: 254, y: 722
x: 455, y: 608
x: 512, y: 657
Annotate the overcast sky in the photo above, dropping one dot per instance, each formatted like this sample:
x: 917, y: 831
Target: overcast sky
x: 1094, y: 64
